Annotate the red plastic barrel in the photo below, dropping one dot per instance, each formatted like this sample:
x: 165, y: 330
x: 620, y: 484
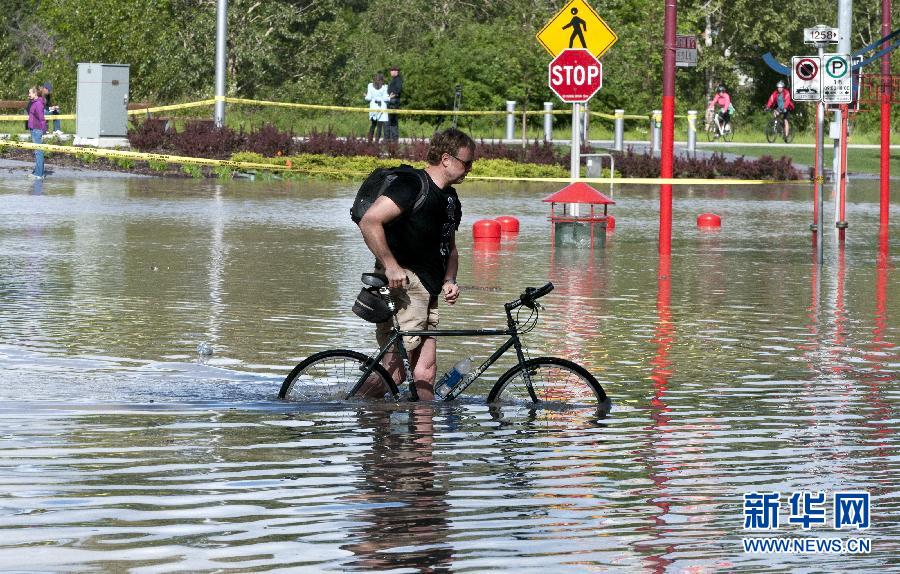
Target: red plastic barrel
x: 486, y: 230
x: 610, y: 223
x: 508, y: 223
x: 709, y: 221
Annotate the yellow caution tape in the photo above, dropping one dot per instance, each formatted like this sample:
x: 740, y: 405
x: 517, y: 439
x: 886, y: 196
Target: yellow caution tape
x: 23, y: 117
x: 245, y: 101
x: 115, y: 153
x: 172, y: 107
x: 357, y: 109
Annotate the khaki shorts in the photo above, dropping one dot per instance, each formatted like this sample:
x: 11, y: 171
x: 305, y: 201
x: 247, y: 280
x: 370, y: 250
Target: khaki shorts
x: 416, y: 311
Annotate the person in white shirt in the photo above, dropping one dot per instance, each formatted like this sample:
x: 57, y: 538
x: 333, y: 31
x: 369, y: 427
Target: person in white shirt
x: 377, y: 96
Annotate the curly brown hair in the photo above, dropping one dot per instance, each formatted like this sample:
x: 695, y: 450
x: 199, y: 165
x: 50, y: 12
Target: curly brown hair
x: 448, y: 142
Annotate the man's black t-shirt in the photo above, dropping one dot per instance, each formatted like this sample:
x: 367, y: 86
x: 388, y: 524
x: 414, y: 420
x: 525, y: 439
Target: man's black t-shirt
x: 421, y: 241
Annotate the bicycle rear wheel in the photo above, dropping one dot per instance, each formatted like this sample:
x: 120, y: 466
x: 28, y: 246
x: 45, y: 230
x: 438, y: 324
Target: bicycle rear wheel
x: 332, y: 375
x: 771, y: 131
x: 552, y: 380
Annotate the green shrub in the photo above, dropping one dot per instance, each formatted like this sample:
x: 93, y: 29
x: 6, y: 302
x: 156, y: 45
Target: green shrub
x: 123, y: 162
x: 192, y: 170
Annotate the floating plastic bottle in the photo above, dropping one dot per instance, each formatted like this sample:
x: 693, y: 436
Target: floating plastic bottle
x: 454, y: 376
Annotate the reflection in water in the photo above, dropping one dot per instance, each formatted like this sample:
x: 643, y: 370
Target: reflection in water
x: 218, y: 252
x: 119, y: 452
x: 582, y: 287
x: 881, y: 354
x: 658, y: 453
x: 403, y: 523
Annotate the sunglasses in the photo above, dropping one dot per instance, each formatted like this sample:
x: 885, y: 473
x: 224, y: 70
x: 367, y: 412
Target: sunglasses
x: 466, y: 164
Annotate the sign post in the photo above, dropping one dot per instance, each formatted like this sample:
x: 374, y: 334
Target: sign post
x: 837, y: 91
x: 575, y: 76
x: 808, y: 69
x: 576, y: 36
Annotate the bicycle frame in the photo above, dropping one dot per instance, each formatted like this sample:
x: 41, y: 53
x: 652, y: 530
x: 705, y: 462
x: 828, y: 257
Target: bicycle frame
x: 396, y: 342
x: 720, y: 128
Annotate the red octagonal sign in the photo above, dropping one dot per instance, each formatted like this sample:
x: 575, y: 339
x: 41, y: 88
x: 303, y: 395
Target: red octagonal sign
x: 575, y: 75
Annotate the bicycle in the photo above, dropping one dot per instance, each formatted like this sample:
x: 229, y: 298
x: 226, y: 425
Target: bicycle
x: 350, y: 374
x: 775, y: 129
x: 715, y: 129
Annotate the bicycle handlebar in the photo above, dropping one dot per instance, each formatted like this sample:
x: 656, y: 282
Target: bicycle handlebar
x: 531, y: 294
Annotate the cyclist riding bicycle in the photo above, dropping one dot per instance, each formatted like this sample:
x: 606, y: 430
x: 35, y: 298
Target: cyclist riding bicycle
x: 723, y: 101
x: 780, y: 103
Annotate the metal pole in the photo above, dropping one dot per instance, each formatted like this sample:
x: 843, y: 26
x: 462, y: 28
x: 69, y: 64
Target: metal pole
x: 510, y: 120
x: 221, y: 37
x: 842, y: 211
x: 585, y: 122
x: 457, y: 103
x: 548, y: 121
x: 575, y: 164
x: 845, y: 20
x: 655, y: 120
x: 692, y: 131
x: 619, y: 138
x: 820, y: 171
x: 834, y: 132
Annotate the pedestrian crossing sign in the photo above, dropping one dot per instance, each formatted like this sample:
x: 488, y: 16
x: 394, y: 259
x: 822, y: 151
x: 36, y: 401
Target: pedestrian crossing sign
x: 577, y: 25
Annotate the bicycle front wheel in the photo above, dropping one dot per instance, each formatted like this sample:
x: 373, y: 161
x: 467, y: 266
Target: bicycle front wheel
x: 711, y: 132
x: 549, y: 380
x: 790, y: 136
x: 771, y: 132
x: 335, y: 375
x: 728, y: 132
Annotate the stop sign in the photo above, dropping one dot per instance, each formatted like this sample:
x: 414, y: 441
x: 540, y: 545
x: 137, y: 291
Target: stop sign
x: 575, y: 75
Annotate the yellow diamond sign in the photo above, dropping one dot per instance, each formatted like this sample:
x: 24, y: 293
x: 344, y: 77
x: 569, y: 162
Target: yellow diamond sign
x: 577, y: 26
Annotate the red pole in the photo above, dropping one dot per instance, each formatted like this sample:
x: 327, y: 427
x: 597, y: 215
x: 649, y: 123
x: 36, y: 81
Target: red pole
x: 885, y: 118
x: 668, y: 128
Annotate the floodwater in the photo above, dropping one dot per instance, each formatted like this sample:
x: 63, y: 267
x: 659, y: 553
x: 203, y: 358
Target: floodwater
x: 749, y: 369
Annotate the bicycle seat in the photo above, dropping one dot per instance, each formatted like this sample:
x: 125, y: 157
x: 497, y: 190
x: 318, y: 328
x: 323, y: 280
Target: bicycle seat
x: 376, y: 280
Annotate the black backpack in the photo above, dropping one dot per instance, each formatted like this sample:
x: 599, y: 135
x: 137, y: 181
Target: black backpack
x: 378, y: 181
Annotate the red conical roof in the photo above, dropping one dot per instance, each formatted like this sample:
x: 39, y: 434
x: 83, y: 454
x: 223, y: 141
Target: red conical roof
x: 579, y: 192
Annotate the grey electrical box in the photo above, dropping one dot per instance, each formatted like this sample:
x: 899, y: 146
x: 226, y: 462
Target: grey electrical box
x: 101, y: 105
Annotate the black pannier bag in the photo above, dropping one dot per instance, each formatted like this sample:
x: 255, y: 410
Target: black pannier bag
x: 370, y: 306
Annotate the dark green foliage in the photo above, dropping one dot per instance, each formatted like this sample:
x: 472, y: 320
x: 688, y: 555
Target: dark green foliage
x: 201, y: 138
x: 148, y: 134
x: 269, y: 141
x: 326, y: 51
x: 631, y: 164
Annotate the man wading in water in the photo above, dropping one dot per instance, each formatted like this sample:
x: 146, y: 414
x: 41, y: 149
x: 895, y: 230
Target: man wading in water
x: 417, y: 253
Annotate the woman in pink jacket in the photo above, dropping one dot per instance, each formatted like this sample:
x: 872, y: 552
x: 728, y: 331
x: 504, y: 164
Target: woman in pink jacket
x: 38, y: 125
x: 723, y: 100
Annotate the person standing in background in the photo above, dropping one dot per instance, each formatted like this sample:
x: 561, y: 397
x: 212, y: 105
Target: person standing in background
x: 49, y: 108
x: 395, y: 90
x: 377, y: 96
x: 38, y: 125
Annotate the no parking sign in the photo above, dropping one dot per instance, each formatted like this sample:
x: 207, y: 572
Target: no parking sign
x: 806, y: 78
